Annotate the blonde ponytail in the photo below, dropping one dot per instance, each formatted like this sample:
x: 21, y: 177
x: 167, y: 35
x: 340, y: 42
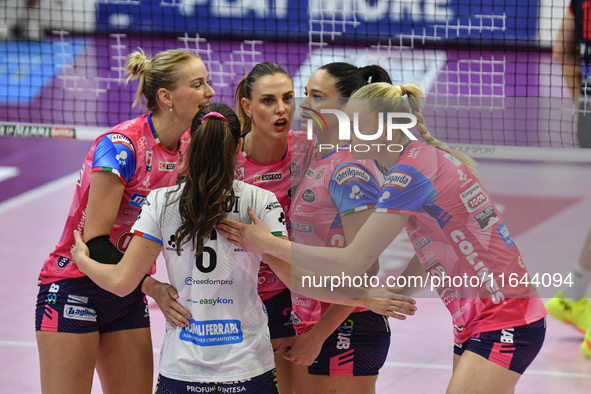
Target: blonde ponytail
x: 384, y: 90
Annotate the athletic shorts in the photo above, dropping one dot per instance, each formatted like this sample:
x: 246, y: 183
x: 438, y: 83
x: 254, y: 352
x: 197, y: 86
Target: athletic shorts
x: 584, y: 125
x: 279, y: 314
x: 262, y: 384
x: 79, y: 306
x: 359, y: 347
x: 512, y: 348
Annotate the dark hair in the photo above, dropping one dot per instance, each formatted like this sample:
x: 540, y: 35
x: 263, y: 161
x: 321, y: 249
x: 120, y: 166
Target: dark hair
x: 208, y: 174
x: 350, y: 78
x: 244, y: 88
x: 161, y: 71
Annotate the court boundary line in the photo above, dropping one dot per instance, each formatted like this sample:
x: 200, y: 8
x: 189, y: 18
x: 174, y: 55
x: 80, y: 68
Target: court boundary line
x: 37, y: 192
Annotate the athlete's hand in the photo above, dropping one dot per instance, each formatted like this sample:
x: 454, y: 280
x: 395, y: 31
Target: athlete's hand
x: 385, y: 301
x: 302, y: 349
x: 165, y: 296
x: 79, y: 251
x: 250, y: 237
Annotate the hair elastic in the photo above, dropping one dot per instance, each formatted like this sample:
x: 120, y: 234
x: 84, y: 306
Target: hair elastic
x: 143, y: 64
x: 214, y: 115
x: 402, y: 90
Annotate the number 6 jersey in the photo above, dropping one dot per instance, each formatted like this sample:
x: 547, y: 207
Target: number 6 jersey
x: 228, y: 338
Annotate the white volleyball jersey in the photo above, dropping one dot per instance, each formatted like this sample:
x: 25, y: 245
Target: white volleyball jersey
x: 228, y: 338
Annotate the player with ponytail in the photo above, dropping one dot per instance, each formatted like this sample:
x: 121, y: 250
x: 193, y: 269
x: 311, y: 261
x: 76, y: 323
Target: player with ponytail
x: 456, y: 230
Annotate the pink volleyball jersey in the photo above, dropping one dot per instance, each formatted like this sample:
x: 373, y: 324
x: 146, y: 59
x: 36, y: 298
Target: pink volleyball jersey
x: 280, y: 177
x: 334, y: 185
x: 133, y: 152
x: 458, y: 231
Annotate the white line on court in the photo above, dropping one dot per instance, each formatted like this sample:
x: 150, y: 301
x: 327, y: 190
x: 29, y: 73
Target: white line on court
x: 8, y: 172
x: 31, y: 195
x: 387, y: 363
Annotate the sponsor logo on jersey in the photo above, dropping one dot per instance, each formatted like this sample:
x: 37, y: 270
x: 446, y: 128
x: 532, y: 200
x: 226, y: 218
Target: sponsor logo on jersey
x: 123, y: 241
x: 305, y: 302
x: 298, y: 212
x: 137, y: 200
x: 385, y: 195
x: 75, y: 299
x: 302, y: 227
x: 504, y: 233
x: 79, y: 313
x: 422, y: 242
x: 166, y: 166
x: 320, y: 173
x: 214, y: 301
x: 464, y: 179
x: 149, y: 158
x: 310, y: 173
x: 487, y: 217
x: 413, y: 231
x: 437, y: 269
x: 356, y: 193
x: 413, y: 153
x: 520, y: 261
x: 294, y: 169
x: 123, y: 140
x: 270, y: 177
x: 212, y: 332
x: 189, y: 281
x: 474, y: 198
x: 398, y: 180
x: 54, y: 288
x: 62, y: 262
x: 79, y: 182
x: 273, y: 205
x: 292, y: 191
x: 351, y: 173
x: 308, y: 195
x: 239, y: 174
x: 449, y: 295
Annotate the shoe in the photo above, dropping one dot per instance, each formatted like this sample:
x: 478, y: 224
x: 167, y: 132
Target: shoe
x: 586, y: 345
x: 576, y: 313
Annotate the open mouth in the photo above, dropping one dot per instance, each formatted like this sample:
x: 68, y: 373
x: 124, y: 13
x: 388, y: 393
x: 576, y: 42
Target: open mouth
x: 281, y: 123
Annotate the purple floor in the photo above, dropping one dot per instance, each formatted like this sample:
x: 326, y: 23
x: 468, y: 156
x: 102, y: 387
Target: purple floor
x: 546, y: 206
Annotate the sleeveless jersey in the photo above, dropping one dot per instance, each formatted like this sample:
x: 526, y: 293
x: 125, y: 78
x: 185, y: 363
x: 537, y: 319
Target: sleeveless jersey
x: 282, y: 178
x: 333, y: 186
x: 133, y: 152
x: 228, y: 338
x: 457, y: 230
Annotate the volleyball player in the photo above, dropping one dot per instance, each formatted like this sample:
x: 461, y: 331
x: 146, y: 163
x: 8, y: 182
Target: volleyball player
x: 79, y: 325
x: 571, y: 304
x: 325, y: 212
x: 226, y: 347
x: 456, y: 230
x: 274, y: 158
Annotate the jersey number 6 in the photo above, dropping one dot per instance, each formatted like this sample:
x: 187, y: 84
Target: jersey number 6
x: 212, y: 256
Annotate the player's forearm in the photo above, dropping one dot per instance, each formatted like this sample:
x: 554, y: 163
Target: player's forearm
x: 572, y: 74
x: 106, y: 276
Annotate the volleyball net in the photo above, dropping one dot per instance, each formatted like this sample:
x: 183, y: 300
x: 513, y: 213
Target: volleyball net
x: 491, y: 86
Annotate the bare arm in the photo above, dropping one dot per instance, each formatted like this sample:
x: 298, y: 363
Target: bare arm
x: 373, y: 238
x: 121, y: 278
x: 565, y: 52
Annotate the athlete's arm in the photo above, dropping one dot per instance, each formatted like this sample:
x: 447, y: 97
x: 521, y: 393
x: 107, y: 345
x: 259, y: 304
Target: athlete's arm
x: 104, y: 199
x: 165, y: 296
x: 304, y: 349
x: 121, y: 278
x: 565, y: 52
x: 355, y: 259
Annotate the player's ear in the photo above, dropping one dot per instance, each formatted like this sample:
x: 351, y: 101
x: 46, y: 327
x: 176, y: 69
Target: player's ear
x: 246, y: 106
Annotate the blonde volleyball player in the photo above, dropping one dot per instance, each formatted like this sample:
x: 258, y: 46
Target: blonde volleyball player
x: 456, y: 231
x: 79, y: 325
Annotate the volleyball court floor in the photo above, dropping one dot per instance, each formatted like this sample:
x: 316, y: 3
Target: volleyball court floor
x: 546, y: 208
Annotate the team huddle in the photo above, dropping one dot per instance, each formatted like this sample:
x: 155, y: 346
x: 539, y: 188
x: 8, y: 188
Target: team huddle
x: 188, y: 180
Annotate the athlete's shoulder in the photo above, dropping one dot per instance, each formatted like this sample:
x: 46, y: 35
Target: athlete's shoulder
x: 132, y: 128
x: 299, y: 142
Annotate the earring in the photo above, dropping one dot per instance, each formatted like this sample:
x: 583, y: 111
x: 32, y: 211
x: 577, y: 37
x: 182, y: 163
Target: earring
x: 170, y: 109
